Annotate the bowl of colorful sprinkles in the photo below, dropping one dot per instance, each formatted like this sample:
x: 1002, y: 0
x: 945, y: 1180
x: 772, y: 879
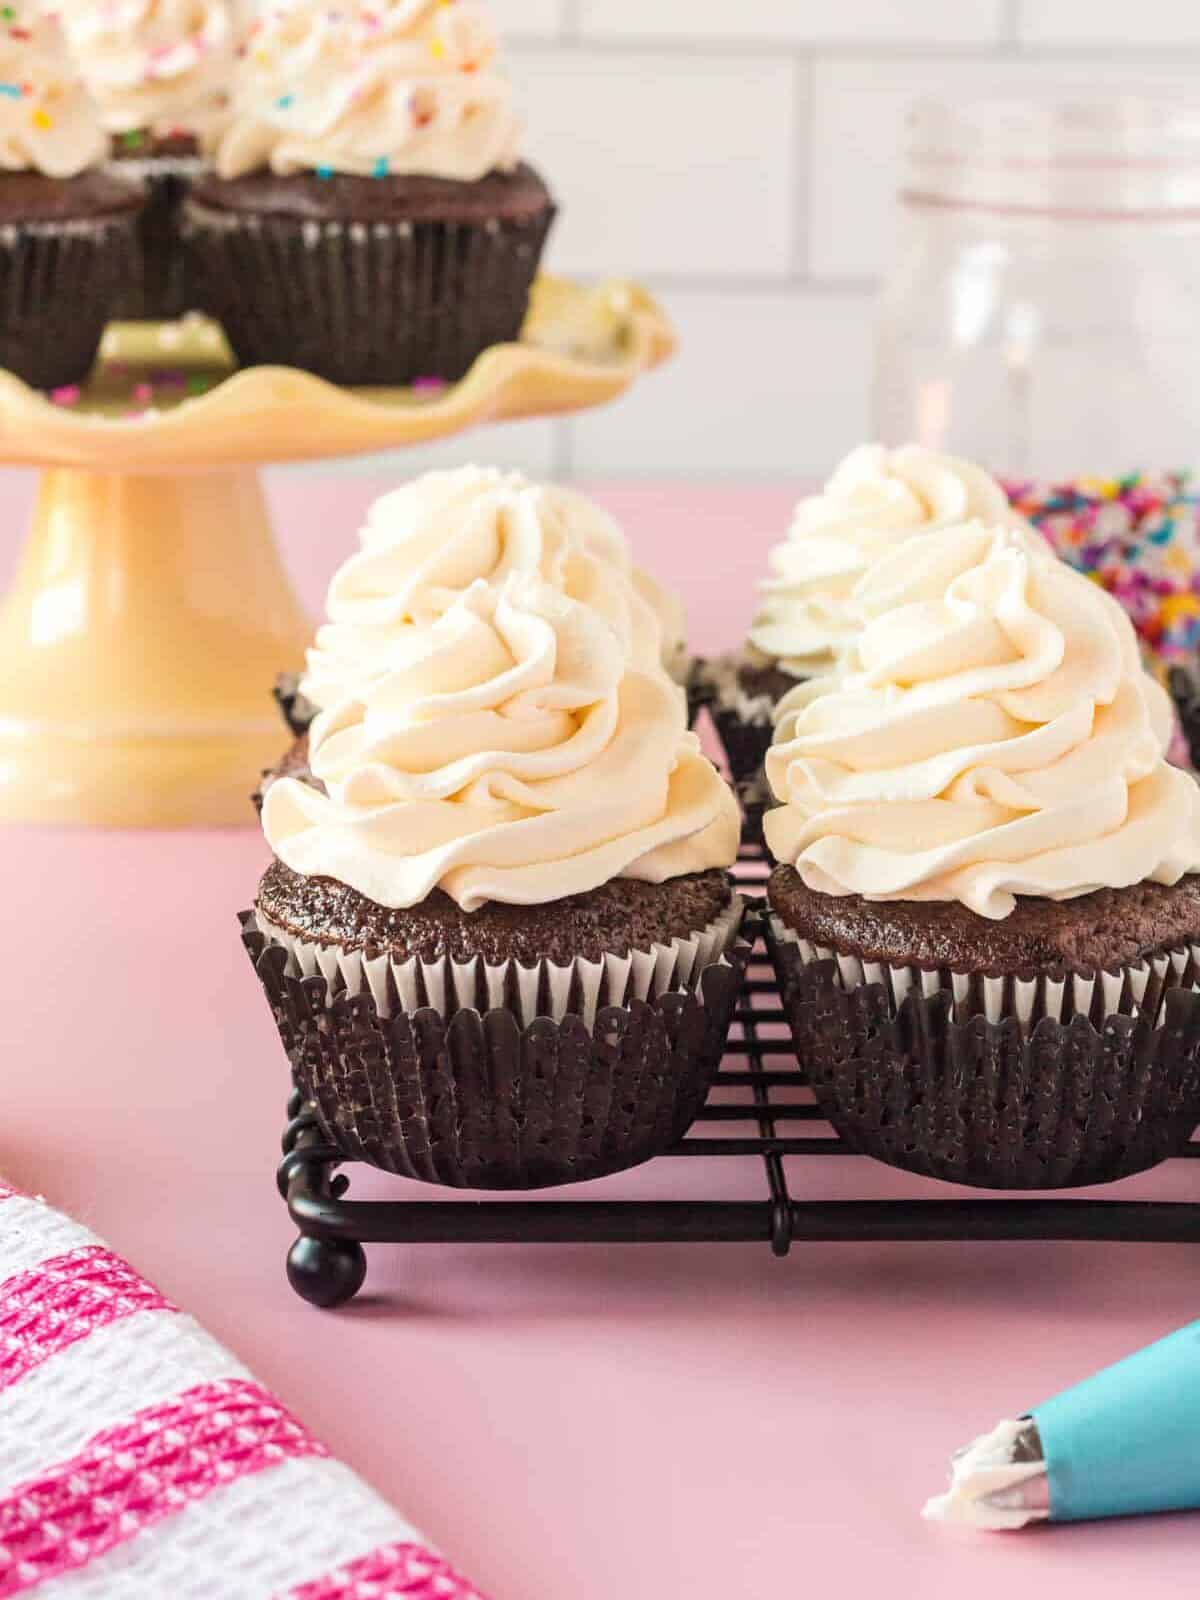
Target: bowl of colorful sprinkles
x: 1138, y: 536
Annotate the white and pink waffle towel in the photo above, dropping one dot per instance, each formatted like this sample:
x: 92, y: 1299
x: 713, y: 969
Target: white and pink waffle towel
x: 140, y: 1461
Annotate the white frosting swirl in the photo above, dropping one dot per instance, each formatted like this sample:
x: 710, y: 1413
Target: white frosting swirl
x: 876, y: 497
x: 47, y: 121
x: 162, y: 66
x: 406, y: 87
x: 510, y: 752
x: 991, y: 733
x: 425, y: 543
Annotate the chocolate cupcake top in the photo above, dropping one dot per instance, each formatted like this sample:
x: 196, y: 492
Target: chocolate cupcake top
x: 425, y: 544
x: 875, y: 498
x: 990, y: 734
x: 511, y: 751
x: 376, y: 89
x: 156, y: 68
x: 48, y: 123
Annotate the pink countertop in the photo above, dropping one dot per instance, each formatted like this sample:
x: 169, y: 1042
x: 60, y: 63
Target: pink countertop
x: 570, y: 1423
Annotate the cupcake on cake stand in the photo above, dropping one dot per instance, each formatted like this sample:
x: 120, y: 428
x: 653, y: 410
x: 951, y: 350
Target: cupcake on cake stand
x: 150, y: 612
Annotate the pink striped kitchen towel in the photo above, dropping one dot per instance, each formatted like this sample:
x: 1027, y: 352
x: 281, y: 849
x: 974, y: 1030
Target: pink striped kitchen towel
x: 140, y: 1461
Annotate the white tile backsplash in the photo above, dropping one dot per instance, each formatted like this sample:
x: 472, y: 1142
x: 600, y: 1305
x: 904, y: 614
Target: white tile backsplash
x: 766, y: 384
x: 666, y: 163
x: 742, y: 159
x: 518, y: 19
x: 1092, y: 22
x: 801, y: 21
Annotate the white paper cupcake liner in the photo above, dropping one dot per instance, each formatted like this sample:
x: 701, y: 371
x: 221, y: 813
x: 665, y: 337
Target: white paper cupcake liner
x: 1138, y: 990
x: 545, y: 989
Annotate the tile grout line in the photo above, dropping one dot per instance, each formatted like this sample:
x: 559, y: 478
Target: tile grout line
x: 804, y: 158
x: 868, y: 53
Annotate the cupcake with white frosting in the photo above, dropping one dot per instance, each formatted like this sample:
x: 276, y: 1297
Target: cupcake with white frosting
x: 67, y: 227
x: 161, y: 74
x: 506, y: 866
x: 875, y: 500
x: 424, y: 544
x: 987, y: 910
x: 370, y: 220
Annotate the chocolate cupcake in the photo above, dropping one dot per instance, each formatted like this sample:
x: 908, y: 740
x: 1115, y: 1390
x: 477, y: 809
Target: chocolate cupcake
x: 67, y: 229
x: 370, y: 221
x: 986, y: 918
x: 875, y: 498
x: 160, y: 72
x: 498, y: 936
x: 427, y: 542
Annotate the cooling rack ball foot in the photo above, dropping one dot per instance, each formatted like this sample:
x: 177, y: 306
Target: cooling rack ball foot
x: 326, y: 1272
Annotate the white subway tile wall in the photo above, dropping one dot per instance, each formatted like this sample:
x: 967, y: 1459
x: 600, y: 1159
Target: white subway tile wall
x: 740, y: 160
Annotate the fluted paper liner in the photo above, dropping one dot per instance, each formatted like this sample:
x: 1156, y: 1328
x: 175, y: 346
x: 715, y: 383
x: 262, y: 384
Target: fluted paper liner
x: 1184, y: 684
x: 365, y: 302
x: 745, y: 722
x: 1044, y: 1082
x: 547, y: 989
x: 297, y: 711
x: 57, y: 281
x: 505, y: 1078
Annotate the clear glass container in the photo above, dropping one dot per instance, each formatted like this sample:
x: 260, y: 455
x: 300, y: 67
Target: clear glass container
x: 1042, y: 314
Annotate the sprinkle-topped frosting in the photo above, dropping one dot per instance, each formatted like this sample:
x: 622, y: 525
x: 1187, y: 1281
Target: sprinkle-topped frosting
x: 509, y: 752
x: 157, y: 67
x: 47, y: 121
x: 373, y: 88
x: 425, y: 543
x: 875, y: 498
x: 990, y: 733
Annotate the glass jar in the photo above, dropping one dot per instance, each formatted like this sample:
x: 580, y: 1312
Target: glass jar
x: 1042, y: 313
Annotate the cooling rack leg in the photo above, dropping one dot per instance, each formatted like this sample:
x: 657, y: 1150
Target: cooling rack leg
x: 324, y: 1270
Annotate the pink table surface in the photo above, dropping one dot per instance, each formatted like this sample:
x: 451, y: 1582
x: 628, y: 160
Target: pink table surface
x: 570, y: 1423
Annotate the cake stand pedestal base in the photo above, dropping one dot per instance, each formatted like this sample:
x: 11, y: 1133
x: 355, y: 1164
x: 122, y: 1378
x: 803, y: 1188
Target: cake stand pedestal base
x: 149, y: 618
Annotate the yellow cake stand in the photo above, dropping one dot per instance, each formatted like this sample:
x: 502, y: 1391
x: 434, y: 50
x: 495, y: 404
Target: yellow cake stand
x: 151, y: 612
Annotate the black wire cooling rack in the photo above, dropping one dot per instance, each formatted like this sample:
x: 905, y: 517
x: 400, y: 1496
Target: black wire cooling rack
x: 756, y: 1086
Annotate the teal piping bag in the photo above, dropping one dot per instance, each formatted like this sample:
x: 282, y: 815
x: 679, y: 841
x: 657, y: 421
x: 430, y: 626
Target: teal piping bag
x: 1122, y: 1443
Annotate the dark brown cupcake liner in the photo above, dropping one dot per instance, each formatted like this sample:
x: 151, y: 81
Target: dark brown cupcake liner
x: 365, y: 303
x: 1108, y: 1087
x: 57, y: 282
x: 160, y: 286
x: 698, y: 689
x: 472, y: 1099
x: 754, y: 798
x: 744, y: 741
x: 745, y: 722
x: 1184, y: 684
x: 297, y: 712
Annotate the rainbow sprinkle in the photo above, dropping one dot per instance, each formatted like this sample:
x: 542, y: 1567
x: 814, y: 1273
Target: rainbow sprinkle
x: 1138, y: 536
